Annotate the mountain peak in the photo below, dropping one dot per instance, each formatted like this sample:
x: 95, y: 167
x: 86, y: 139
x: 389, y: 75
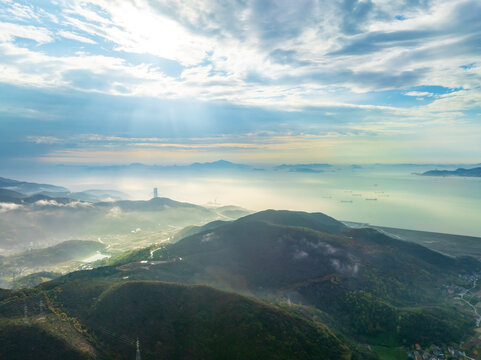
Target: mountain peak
x: 317, y: 221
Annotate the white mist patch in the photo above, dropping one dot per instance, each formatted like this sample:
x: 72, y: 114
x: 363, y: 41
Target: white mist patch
x: 95, y: 257
x: 78, y: 204
x: 345, y: 268
x: 336, y: 264
x: 114, y: 213
x: 285, y: 238
x: 300, y: 254
x: 4, y: 207
x: 330, y: 249
x: 354, y: 269
x: 46, y: 203
x: 208, y: 237
x: 72, y: 204
x: 325, y: 248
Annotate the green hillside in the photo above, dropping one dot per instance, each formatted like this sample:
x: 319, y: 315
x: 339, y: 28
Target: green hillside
x: 368, y: 282
x: 65, y: 251
x: 25, y: 342
x: 35, y: 262
x: 192, y: 230
x: 314, y: 221
x: 4, y: 294
x: 172, y: 321
x: 32, y: 280
x: 366, y: 287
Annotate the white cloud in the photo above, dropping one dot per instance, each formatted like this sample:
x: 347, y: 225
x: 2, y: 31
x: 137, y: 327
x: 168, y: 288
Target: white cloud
x: 300, y: 254
x: 71, y: 204
x: 209, y: 237
x: 10, y: 31
x: 114, y: 213
x: 43, y: 139
x: 20, y: 12
x: 5, y: 207
x: 275, y: 55
x: 77, y: 37
x: 419, y: 93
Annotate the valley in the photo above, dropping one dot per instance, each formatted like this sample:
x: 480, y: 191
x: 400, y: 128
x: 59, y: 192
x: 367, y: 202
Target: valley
x: 369, y: 292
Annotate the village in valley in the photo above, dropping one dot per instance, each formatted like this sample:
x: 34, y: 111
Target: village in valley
x: 469, y: 299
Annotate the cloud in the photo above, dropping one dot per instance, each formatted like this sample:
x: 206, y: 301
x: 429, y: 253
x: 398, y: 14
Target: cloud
x: 43, y: 139
x: 136, y: 28
x: 71, y: 204
x: 114, y: 213
x: 77, y: 37
x: 275, y: 54
x: 364, y: 68
x: 209, y: 237
x: 300, y: 254
x: 20, y: 11
x: 344, y: 267
x: 11, y: 31
x: 418, y: 93
x: 5, y: 207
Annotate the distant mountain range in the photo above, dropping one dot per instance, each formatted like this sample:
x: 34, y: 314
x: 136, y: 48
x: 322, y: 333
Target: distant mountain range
x: 90, y: 195
x: 27, y: 187
x: 47, y: 217
x: 303, y: 168
x: 19, y: 191
x: 474, y: 172
x: 218, y: 165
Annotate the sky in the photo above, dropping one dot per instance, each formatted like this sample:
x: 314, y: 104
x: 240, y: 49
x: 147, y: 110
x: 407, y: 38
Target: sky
x: 174, y: 82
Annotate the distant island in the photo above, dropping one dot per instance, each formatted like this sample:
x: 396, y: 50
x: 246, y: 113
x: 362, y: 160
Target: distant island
x: 474, y: 172
x: 304, y: 168
x: 219, y: 165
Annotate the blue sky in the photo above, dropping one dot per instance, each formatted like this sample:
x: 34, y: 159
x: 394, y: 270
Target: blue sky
x: 163, y: 82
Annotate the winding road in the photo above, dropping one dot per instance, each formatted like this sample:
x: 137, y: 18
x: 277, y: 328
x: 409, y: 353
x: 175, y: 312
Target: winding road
x: 478, y: 317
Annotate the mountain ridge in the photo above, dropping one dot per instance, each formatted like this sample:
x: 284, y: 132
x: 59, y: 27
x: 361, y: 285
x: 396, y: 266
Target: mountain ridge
x: 473, y: 172
x: 28, y: 187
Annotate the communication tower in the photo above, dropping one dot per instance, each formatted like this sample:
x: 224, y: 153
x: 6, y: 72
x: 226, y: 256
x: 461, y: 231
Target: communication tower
x: 25, y: 314
x: 137, y: 353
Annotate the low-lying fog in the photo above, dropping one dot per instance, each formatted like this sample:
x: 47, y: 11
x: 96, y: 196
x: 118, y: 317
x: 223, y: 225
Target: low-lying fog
x: 377, y: 194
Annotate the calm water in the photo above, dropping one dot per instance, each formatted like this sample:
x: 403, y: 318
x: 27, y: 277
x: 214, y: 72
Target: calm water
x: 403, y: 199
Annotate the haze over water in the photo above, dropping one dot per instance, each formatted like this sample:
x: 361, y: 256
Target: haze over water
x: 403, y: 199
